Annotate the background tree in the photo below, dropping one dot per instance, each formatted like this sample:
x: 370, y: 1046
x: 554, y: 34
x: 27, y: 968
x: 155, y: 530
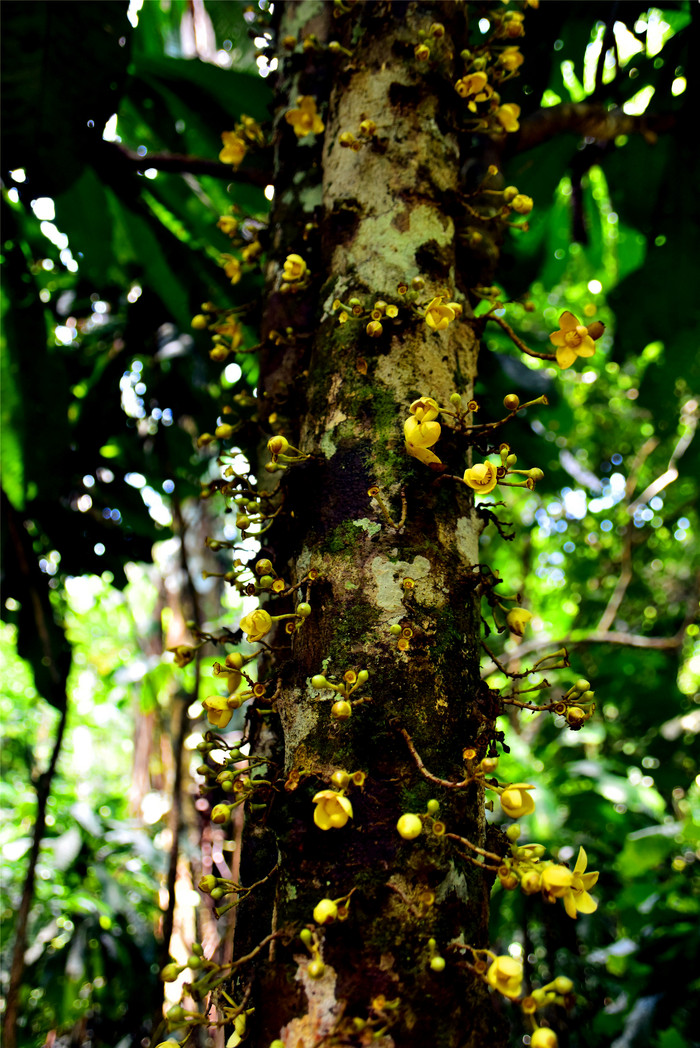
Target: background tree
x: 113, y: 258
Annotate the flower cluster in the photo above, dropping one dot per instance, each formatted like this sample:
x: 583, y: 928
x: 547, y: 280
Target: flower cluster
x: 304, y: 119
x: 525, y: 869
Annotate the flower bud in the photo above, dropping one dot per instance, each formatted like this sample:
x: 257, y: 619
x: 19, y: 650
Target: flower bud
x: 200, y: 322
x: 220, y: 813
x: 582, y: 685
x: 563, y: 985
x: 522, y: 204
x: 303, y: 610
x: 409, y: 826
x: 325, y: 912
x: 340, y: 778
x: 341, y: 710
x: 363, y: 676
x: 543, y: 1037
x: 511, y: 402
x: 315, y: 968
x: 319, y: 681
x: 170, y: 972
x: 277, y: 445
x: 437, y: 964
x: 207, y: 882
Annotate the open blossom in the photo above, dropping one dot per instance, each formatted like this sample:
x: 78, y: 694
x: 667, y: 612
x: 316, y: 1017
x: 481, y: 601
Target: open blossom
x: 510, y: 58
x: 516, y: 801
x: 437, y: 315
x: 572, y: 340
x: 305, y: 119
x: 256, y: 624
x: 422, y: 431
x: 482, y: 477
x: 475, y: 88
x: 332, y: 810
x: 294, y: 268
x: 234, y: 148
x: 218, y: 711
x: 517, y: 620
x: 506, y: 976
x: 577, y: 900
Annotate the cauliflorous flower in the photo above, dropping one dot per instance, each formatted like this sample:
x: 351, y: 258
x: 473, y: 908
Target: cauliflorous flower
x: 543, y: 1037
x: 325, y: 911
x: 517, y: 620
x: 409, y: 826
x: 506, y: 976
x: 232, y: 268
x: 234, y: 148
x: 507, y: 116
x: 305, y: 119
x: 183, y: 653
x: 437, y: 315
x: 256, y: 624
x: 511, y: 59
x: 294, y: 268
x: 577, y: 900
x: 556, y: 881
x: 218, y: 711
x: 475, y: 88
x: 422, y: 431
x: 572, y: 340
x: 482, y: 477
x: 516, y: 801
x: 332, y: 810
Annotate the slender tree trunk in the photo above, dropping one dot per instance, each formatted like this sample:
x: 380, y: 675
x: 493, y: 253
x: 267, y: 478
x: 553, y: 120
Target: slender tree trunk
x: 383, y: 216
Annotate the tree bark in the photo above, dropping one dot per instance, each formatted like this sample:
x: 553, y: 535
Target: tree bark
x: 385, y: 215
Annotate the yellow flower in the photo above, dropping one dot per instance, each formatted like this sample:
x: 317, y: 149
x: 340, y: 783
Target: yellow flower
x: 232, y: 330
x: 422, y: 431
x: 577, y: 900
x: 474, y: 87
x: 218, y: 710
x: 506, y: 976
x: 556, y: 882
x: 572, y: 340
x: 256, y: 624
x: 438, y: 316
x: 332, y: 810
x: 294, y: 268
x: 305, y: 119
x: 228, y: 225
x: 234, y: 148
x: 425, y: 409
x: 183, y: 654
x: 409, y: 826
x: 232, y: 268
x: 517, y: 620
x: 543, y: 1037
x: 325, y: 911
x: 507, y: 116
x: 482, y: 477
x: 516, y: 801
x: 511, y: 58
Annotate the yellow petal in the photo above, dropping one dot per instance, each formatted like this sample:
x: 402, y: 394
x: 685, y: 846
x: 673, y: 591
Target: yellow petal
x: 567, y: 321
x: 570, y: 905
x: 581, y: 862
x: 584, y: 903
x: 565, y: 357
x: 424, y: 455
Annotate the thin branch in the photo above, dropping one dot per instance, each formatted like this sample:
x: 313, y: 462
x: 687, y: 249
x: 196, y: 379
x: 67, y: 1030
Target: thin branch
x: 589, y: 120
x: 181, y: 164
x: 518, y: 341
x: 447, y: 783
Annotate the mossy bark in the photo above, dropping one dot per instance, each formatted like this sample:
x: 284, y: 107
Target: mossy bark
x: 383, y: 215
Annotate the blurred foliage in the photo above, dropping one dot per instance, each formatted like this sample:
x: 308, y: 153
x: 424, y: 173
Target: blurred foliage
x: 105, y: 389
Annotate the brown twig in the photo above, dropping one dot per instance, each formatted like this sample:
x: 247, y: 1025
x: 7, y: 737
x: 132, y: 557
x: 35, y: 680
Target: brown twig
x: 447, y: 783
x: 518, y: 341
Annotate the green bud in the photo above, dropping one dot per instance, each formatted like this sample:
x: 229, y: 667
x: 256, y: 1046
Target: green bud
x: 304, y: 610
x: 170, y: 972
x: 363, y: 676
x: 319, y: 681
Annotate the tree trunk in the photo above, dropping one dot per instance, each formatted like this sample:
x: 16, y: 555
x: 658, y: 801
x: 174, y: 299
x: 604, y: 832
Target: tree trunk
x: 384, y: 215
